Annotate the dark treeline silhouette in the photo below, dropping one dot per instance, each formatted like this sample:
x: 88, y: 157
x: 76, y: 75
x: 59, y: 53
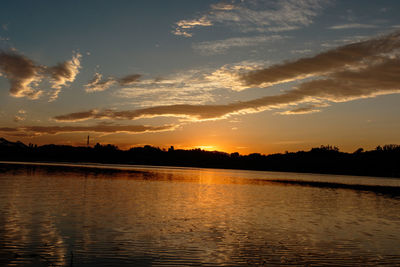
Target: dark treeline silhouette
x: 382, y: 161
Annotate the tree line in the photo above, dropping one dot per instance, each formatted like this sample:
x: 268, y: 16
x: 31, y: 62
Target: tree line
x: 381, y: 161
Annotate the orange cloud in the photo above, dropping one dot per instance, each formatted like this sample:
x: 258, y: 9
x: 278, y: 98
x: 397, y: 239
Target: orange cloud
x: 99, y: 128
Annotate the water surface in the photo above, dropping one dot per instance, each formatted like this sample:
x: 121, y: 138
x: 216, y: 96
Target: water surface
x: 102, y: 215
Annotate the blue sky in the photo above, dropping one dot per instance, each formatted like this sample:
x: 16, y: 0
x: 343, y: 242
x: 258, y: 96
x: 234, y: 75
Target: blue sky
x: 246, y: 76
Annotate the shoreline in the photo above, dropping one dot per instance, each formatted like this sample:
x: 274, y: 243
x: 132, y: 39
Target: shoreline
x: 387, y: 185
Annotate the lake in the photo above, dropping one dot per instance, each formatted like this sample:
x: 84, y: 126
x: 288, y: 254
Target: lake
x: 114, y: 215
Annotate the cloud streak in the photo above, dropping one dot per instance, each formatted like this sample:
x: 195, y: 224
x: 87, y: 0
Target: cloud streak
x: 20, y: 116
x: 129, y: 79
x: 365, y: 69
x: 255, y: 16
x: 194, y: 86
x: 352, y: 26
x: 183, y: 26
x: 220, y: 46
x: 352, y: 55
x: 98, y: 84
x: 314, y: 108
x: 99, y: 128
x: 25, y: 76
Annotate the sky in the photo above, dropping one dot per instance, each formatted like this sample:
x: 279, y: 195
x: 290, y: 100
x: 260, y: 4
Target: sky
x: 236, y: 76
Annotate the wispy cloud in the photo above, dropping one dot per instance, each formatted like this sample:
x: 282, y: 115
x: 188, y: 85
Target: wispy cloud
x: 220, y: 46
x: 345, y: 40
x: 129, y: 79
x: 64, y: 73
x: 20, y: 116
x: 301, y: 51
x: 365, y: 69
x: 256, y: 16
x: 98, y: 84
x: 193, y: 86
x: 163, y: 96
x: 222, y: 6
x: 183, y: 26
x: 314, y: 108
x: 25, y: 76
x: 352, y: 26
x: 98, y: 128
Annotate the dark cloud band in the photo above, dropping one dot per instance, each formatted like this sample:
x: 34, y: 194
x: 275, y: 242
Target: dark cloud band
x: 99, y: 128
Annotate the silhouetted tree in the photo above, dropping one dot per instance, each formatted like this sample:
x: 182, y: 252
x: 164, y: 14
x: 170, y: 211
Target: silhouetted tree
x: 383, y: 161
x: 358, y: 151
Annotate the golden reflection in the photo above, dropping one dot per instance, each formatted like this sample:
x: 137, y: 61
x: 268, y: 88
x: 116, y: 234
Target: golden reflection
x: 31, y: 236
x: 175, y: 215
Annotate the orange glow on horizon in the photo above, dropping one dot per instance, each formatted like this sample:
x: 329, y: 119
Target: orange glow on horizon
x: 207, y: 147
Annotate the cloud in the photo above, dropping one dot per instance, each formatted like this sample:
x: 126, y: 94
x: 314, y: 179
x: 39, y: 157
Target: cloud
x: 99, y: 128
x: 77, y: 116
x: 25, y: 76
x: 222, y: 6
x: 64, y: 73
x: 343, y: 41
x: 183, y: 25
x: 194, y: 86
x: 98, y: 84
x: 301, y: 51
x: 20, y: 116
x: 351, y: 55
x: 361, y: 70
x: 378, y: 79
x: 352, y: 26
x: 220, y: 46
x: 156, y: 96
x: 22, y: 74
x: 195, y: 112
x: 303, y: 110
x: 129, y: 79
x: 256, y: 16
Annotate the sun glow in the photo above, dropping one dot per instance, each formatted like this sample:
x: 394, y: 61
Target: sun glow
x: 209, y: 148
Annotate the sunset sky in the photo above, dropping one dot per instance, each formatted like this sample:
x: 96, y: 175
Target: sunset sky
x: 246, y: 76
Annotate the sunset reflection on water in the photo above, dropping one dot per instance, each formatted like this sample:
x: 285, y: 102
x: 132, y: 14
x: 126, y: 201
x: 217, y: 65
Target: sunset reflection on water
x: 160, y: 216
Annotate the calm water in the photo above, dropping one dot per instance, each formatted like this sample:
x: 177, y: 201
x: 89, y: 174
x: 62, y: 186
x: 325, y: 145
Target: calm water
x: 133, y: 216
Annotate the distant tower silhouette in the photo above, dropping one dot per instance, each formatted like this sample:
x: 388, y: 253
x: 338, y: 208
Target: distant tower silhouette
x: 87, y: 142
